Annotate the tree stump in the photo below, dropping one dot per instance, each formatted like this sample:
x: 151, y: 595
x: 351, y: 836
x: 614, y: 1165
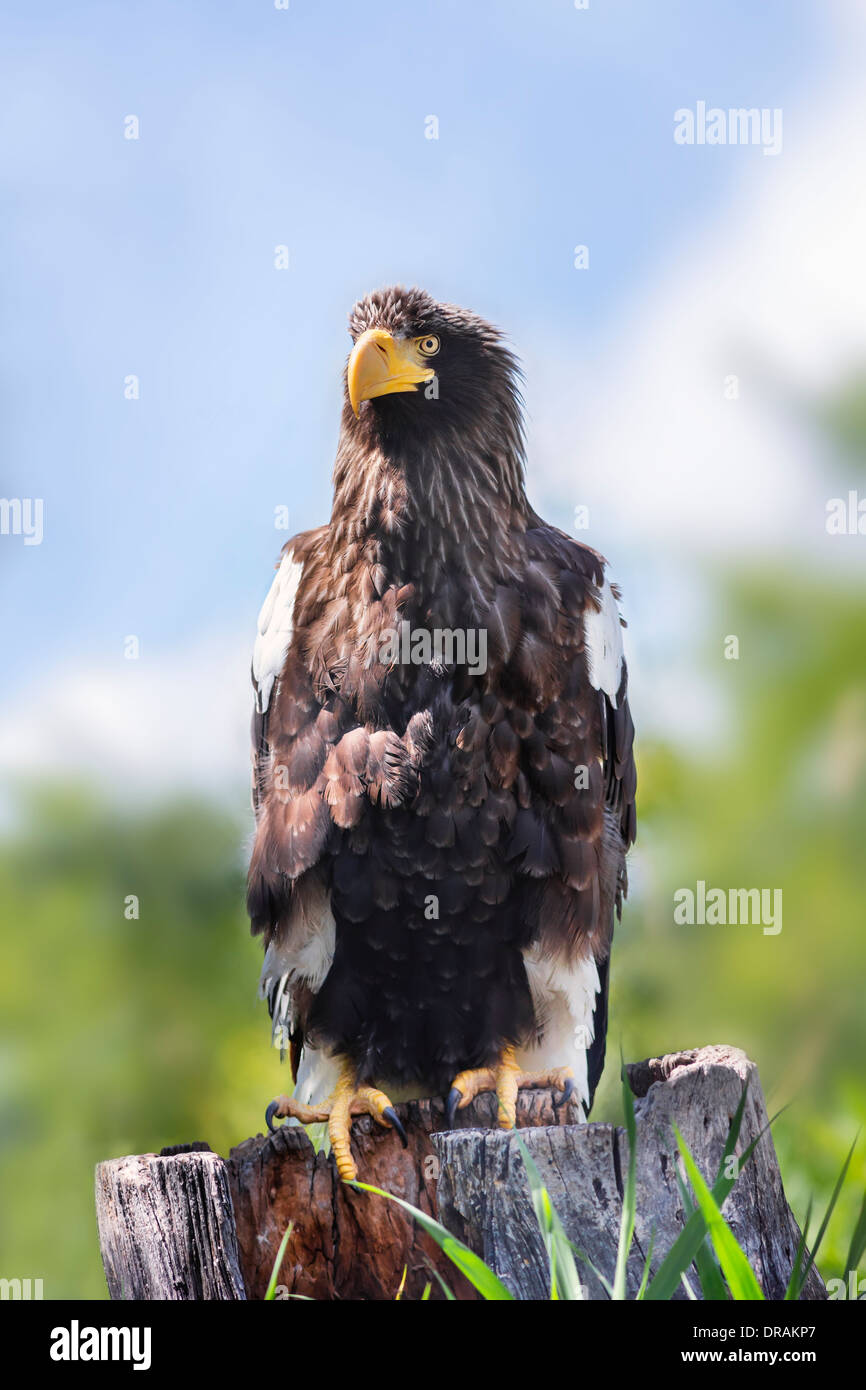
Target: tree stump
x: 166, y: 1227
x: 484, y: 1199
x: 190, y: 1225
x: 348, y: 1244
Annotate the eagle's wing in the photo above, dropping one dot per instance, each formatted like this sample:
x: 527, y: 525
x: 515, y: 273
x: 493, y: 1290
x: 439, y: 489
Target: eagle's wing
x: 273, y: 638
x: 298, y: 922
x: 314, y: 768
x: 591, y: 823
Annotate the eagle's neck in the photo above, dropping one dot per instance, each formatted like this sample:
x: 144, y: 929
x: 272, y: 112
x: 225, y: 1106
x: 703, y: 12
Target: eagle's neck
x: 438, y: 515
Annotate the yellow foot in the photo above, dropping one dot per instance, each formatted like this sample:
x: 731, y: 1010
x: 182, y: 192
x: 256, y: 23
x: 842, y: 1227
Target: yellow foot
x: 347, y: 1099
x: 506, y: 1079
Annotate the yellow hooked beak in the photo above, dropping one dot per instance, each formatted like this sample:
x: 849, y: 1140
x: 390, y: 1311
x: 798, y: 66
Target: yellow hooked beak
x: 381, y: 364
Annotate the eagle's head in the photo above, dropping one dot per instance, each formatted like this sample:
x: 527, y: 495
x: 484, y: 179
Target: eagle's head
x: 423, y: 373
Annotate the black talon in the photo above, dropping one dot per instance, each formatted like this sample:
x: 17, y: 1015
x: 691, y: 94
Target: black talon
x: 390, y: 1114
x: 269, y: 1115
x: 454, y: 1098
x: 567, y: 1093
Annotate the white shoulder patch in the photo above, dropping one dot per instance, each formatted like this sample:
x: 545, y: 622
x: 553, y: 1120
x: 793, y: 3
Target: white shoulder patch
x: 602, y: 635
x: 275, y: 626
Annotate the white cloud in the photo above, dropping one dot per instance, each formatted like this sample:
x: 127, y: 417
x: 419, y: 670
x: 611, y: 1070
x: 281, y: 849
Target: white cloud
x: 138, y: 728
x: 772, y: 291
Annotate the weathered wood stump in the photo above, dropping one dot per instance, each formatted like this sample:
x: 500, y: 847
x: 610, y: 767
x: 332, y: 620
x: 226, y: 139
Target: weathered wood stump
x: 192, y: 1225
x: 347, y: 1244
x: 484, y: 1199
x: 166, y: 1228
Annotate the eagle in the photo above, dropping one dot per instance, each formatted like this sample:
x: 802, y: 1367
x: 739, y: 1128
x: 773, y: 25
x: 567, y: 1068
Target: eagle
x: 443, y: 770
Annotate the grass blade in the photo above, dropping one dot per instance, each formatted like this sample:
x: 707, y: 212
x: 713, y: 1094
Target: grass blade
x: 709, y: 1274
x: 646, y: 1266
x: 684, y: 1249
x: 605, y: 1283
x: 449, y: 1296
x: 627, y: 1220
x: 795, y: 1283
x: 858, y: 1240
x: 271, y: 1290
x: 833, y: 1200
x: 476, y: 1271
x: 735, y: 1267
x: 564, y: 1279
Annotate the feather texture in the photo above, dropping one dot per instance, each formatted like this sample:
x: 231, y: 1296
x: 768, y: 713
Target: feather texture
x: 440, y: 847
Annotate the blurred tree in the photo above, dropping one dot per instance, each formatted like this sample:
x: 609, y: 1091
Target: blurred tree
x: 121, y: 1034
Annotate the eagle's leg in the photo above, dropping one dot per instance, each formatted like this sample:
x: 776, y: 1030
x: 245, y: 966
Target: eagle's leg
x: 346, y: 1100
x: 506, y: 1079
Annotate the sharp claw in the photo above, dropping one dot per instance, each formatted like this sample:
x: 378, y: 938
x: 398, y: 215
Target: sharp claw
x: 269, y: 1115
x: 454, y: 1098
x: 390, y: 1114
x: 568, y: 1092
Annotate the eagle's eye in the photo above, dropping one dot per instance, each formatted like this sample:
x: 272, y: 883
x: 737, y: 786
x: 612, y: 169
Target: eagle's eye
x: 429, y: 346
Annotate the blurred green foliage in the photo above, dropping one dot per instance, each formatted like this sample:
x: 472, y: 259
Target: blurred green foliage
x: 119, y: 1036
x: 122, y: 1035
x: 781, y: 803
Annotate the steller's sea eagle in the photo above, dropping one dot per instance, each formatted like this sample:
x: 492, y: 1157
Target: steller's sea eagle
x: 443, y: 777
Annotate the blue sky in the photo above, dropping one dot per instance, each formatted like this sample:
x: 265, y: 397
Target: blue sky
x: 261, y: 127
